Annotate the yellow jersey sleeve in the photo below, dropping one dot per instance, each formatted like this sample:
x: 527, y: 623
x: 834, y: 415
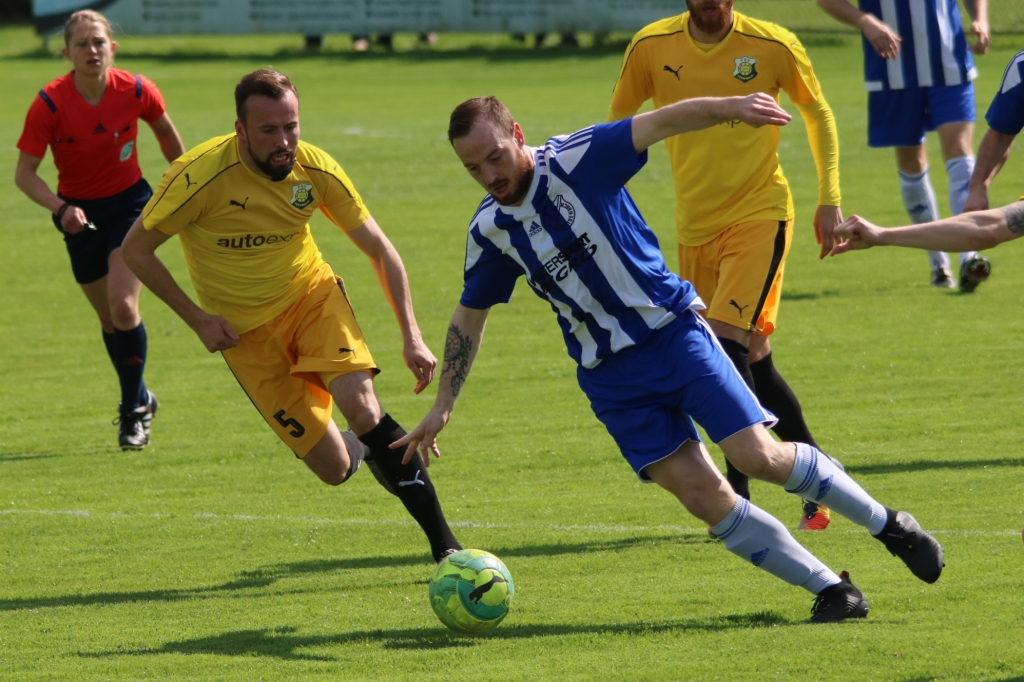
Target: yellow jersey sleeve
x: 179, y: 200
x: 633, y: 87
x: 798, y: 81
x: 339, y: 200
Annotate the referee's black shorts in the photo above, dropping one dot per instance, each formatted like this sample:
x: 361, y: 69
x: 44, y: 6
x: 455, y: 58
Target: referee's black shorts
x: 113, y: 216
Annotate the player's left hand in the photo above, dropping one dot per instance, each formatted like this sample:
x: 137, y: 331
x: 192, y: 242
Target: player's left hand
x: 980, y: 29
x: 420, y: 361
x: 424, y: 437
x: 826, y: 219
x: 854, y: 234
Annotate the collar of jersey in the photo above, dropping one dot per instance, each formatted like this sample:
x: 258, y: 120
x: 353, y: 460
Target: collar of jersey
x: 525, y: 209
x: 736, y: 16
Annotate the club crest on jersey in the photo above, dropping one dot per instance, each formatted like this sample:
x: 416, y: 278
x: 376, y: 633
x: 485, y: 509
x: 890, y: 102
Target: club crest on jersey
x: 745, y: 69
x: 302, y: 195
x: 126, y: 150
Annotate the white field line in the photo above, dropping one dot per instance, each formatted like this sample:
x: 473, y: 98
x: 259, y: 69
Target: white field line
x: 457, y: 524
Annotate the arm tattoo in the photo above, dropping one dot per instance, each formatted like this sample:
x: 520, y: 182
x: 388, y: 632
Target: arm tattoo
x: 457, y: 348
x: 1014, y: 214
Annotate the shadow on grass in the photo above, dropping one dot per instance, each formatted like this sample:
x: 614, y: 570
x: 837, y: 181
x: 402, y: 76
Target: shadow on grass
x: 21, y: 456
x: 267, y: 576
x: 809, y: 295
x: 283, y: 643
x: 926, y: 465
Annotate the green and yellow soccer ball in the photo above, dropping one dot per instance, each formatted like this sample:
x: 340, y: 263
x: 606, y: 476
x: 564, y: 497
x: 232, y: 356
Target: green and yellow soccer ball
x: 471, y: 590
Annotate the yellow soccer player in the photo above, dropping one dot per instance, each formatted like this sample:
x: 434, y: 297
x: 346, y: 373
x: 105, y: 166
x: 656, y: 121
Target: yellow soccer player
x: 734, y: 213
x: 240, y: 205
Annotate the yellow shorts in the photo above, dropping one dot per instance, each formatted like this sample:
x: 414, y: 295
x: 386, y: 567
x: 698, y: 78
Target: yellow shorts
x: 738, y: 274
x: 285, y: 365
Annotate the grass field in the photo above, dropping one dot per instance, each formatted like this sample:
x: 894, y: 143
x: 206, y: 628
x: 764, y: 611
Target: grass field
x: 214, y: 555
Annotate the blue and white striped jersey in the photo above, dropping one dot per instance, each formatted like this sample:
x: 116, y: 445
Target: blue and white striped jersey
x: 582, y: 244
x: 1006, y: 113
x: 933, y: 52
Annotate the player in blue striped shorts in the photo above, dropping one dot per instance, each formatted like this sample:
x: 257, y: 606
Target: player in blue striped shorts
x: 918, y: 71
x: 560, y: 215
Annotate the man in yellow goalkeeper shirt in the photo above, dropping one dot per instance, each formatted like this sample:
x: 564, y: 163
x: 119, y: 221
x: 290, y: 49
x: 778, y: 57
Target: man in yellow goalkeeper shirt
x: 734, y: 213
x: 240, y: 205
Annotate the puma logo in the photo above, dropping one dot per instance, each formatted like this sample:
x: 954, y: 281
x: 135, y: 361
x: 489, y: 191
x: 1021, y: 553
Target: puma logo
x: 415, y: 481
x: 674, y: 72
x: 188, y: 182
x: 232, y: 202
x: 736, y: 305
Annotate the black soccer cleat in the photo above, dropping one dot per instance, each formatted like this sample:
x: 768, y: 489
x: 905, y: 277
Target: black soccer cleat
x: 973, y: 272
x: 152, y: 405
x: 839, y: 602
x: 131, y: 432
x: 942, y: 277
x: 904, y: 538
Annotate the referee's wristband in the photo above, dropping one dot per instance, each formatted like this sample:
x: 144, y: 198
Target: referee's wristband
x: 60, y: 211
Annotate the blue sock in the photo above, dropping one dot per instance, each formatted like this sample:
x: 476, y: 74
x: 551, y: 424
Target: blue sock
x: 129, y: 355
x: 819, y: 478
x: 758, y: 537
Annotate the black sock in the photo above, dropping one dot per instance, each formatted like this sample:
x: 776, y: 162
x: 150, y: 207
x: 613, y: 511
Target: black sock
x: 411, y: 483
x: 738, y: 353
x: 108, y: 343
x: 129, y: 355
x: 357, y: 452
x: 777, y: 397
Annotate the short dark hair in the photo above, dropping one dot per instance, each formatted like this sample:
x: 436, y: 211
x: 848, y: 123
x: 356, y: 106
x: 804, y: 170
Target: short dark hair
x: 467, y: 114
x: 264, y: 82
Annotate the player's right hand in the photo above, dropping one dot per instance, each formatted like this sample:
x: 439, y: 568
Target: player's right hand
x: 216, y: 333
x: 761, y: 109
x: 424, y: 437
x: 73, y: 221
x: 977, y: 199
x: 883, y: 39
x: 854, y: 234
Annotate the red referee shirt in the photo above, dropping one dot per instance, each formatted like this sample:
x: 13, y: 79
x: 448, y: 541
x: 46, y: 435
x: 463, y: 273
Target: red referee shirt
x: 93, y: 147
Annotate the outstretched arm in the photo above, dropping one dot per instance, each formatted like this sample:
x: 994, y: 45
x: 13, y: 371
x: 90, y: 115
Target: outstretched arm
x: 390, y: 270
x: 824, y: 141
x: 992, y: 154
x: 465, y: 332
x: 139, y: 251
x: 167, y: 135
x: 964, y: 232
x: 883, y: 39
x: 703, y: 112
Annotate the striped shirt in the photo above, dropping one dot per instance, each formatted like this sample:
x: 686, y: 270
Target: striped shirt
x: 582, y: 244
x: 1006, y: 113
x: 933, y: 52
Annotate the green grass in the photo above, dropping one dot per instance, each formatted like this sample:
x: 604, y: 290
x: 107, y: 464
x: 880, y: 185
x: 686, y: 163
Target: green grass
x: 214, y: 555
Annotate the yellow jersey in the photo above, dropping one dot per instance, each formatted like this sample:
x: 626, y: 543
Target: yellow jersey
x: 729, y: 173
x: 246, y: 238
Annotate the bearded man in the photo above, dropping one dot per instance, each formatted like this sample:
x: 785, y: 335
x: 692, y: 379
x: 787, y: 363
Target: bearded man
x: 734, y: 212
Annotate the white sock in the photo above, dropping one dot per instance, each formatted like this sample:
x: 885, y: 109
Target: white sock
x: 922, y: 207
x: 959, y: 171
x: 816, y: 477
x: 758, y: 537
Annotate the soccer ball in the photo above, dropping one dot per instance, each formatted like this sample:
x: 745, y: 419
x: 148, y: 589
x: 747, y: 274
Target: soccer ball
x: 471, y: 590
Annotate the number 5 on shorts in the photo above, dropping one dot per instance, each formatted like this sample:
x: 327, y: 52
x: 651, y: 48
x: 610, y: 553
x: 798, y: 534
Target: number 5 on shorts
x: 299, y: 429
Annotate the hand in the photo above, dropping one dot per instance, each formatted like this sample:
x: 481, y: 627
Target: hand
x: 215, y: 332
x: 980, y: 29
x: 423, y: 436
x: 826, y: 218
x: 74, y: 221
x: 977, y: 199
x: 761, y: 109
x: 854, y: 234
x: 885, y: 41
x: 420, y: 361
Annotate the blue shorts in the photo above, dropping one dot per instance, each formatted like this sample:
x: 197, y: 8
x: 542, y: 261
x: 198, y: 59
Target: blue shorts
x: 900, y: 118
x: 113, y: 216
x: 649, y: 395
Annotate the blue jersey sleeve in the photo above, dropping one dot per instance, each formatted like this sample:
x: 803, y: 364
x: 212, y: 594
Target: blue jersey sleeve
x: 490, y: 275
x: 602, y: 155
x: 1006, y: 113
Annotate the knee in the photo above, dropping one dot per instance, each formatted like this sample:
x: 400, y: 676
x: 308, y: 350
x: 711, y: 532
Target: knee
x: 334, y: 475
x: 124, y: 313
x: 362, y: 418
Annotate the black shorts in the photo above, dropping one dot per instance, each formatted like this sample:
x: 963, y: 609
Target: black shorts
x: 113, y: 216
